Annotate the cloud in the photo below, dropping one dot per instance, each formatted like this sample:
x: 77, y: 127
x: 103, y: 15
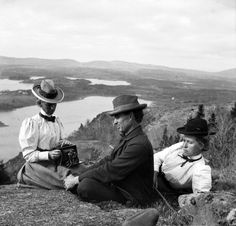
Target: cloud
x: 168, y: 32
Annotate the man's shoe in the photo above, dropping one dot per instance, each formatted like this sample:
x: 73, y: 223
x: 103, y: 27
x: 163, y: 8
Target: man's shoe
x: 148, y: 217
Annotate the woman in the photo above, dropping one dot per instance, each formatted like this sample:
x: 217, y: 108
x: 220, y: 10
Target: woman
x: 181, y: 168
x: 39, y: 136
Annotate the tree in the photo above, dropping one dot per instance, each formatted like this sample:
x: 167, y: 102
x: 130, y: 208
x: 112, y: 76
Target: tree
x: 200, y: 112
x: 3, y: 175
x: 212, y: 124
x: 233, y: 111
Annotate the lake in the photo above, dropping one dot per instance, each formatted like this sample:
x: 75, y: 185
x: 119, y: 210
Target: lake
x: 12, y: 85
x: 71, y: 113
x: 95, y: 81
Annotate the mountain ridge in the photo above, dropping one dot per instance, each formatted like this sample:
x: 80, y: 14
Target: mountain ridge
x: 115, y: 64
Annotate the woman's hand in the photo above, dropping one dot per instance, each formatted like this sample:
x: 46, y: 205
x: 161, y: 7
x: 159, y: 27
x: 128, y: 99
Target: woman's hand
x: 64, y: 142
x: 54, y: 154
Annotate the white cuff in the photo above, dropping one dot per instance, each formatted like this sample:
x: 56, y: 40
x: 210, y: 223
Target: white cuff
x: 43, y: 155
x: 156, y: 168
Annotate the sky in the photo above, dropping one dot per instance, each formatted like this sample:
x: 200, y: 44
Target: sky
x: 191, y: 34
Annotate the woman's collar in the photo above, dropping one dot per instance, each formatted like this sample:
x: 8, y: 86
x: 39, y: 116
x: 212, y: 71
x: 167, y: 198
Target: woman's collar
x: 44, y: 113
x: 181, y: 152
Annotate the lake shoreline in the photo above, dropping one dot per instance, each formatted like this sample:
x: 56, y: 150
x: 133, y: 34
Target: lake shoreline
x: 74, y: 90
x: 13, y: 105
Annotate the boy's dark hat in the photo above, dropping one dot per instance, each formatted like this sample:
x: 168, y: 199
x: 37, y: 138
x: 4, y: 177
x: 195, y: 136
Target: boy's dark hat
x: 124, y: 103
x: 47, y: 92
x: 195, y: 127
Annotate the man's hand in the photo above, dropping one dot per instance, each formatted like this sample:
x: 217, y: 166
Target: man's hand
x: 54, y: 154
x: 70, y: 181
x: 155, y: 180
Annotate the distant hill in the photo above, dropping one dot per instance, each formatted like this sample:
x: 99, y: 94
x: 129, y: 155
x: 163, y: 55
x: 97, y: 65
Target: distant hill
x: 227, y: 74
x: 37, y: 62
x: 148, y: 70
x: 122, y: 65
x: 132, y: 67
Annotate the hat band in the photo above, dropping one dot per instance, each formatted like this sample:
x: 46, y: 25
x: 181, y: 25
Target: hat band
x: 126, y: 107
x: 50, y: 95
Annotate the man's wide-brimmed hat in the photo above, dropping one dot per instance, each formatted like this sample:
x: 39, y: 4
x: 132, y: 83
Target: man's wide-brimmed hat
x: 48, y: 92
x: 195, y: 127
x: 124, y: 103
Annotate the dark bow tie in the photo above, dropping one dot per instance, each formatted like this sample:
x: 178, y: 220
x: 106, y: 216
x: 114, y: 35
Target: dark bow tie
x: 187, y: 159
x: 47, y: 118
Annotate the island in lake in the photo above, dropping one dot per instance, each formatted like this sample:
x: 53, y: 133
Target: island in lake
x: 2, y: 124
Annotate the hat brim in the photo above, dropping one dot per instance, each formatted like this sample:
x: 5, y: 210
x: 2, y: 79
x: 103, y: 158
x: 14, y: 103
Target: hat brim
x: 57, y: 99
x: 182, y: 130
x: 122, y: 109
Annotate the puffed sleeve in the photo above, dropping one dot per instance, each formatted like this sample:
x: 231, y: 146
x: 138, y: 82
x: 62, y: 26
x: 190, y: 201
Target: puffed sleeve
x: 201, y: 181
x: 159, y: 157
x: 28, y: 139
x: 62, y: 130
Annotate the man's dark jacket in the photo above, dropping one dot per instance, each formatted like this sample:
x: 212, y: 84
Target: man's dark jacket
x: 129, y: 167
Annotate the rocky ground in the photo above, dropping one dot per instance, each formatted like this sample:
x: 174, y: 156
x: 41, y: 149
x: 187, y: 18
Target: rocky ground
x: 213, y: 208
x: 26, y: 206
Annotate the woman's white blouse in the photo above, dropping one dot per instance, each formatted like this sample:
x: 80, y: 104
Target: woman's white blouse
x: 36, y: 132
x: 195, y: 175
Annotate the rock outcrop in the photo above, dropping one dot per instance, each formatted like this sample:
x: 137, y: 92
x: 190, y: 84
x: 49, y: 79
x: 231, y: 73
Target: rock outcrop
x: 11, y: 168
x: 213, y: 208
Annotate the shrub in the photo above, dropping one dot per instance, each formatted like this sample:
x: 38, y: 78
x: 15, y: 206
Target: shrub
x: 3, y: 175
x: 168, y: 140
x: 233, y: 111
x: 223, y: 143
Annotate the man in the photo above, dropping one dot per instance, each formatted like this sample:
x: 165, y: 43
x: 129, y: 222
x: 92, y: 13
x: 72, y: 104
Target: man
x: 126, y: 174
x: 181, y: 168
